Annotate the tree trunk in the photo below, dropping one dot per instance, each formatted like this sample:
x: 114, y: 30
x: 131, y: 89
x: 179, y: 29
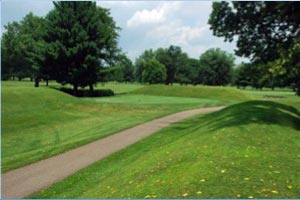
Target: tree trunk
x: 13, y: 78
x: 91, y: 87
x: 298, y: 84
x: 31, y: 79
x: 36, y: 82
x: 19, y: 78
x: 75, y: 88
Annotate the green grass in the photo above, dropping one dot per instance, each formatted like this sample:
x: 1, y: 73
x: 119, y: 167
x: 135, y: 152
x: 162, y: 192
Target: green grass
x: 251, y: 149
x: 120, y: 88
x: 284, y: 96
x: 38, y: 123
x: 156, y: 100
x: 208, y: 92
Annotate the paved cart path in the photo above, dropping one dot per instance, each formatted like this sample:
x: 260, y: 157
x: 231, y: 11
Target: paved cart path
x: 26, y: 180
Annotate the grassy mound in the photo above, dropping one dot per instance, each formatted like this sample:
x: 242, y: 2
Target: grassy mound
x: 248, y: 150
x: 38, y: 123
x: 208, y: 92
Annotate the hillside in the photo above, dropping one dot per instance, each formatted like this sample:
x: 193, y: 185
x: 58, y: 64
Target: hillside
x: 208, y: 92
x: 248, y: 150
x: 38, y: 123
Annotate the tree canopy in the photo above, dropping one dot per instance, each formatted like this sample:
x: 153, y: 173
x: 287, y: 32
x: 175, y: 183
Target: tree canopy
x: 215, y: 67
x: 154, y: 72
x: 265, y: 31
x: 81, y: 38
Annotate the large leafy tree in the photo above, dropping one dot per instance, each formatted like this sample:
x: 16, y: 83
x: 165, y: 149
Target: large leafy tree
x: 140, y: 63
x: 21, y: 47
x: 154, y: 72
x: 82, y: 37
x: 265, y: 31
x: 127, y: 68
x: 187, y: 73
x: 173, y: 58
x: 11, y: 54
x: 215, y: 67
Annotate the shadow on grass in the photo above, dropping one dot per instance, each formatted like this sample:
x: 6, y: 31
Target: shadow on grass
x: 253, y: 112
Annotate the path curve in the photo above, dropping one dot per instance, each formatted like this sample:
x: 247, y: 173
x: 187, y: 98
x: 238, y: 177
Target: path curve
x: 26, y: 180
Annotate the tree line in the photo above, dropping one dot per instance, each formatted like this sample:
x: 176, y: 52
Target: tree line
x: 77, y: 43
x: 70, y: 45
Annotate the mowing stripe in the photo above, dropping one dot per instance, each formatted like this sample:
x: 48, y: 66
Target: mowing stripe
x: 26, y: 180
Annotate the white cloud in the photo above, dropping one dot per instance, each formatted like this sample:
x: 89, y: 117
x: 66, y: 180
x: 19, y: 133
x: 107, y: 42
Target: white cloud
x: 156, y: 15
x: 146, y: 17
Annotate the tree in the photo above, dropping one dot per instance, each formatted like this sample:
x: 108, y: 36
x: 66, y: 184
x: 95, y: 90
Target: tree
x: 215, y: 67
x: 154, y: 72
x: 127, y: 68
x: 82, y: 37
x: 13, y: 60
x: 21, y: 47
x: 265, y: 31
x: 250, y: 74
x: 187, y: 73
x: 32, y: 29
x: 173, y: 58
x: 140, y: 63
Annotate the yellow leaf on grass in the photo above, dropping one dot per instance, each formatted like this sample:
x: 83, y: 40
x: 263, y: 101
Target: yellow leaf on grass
x: 185, y: 194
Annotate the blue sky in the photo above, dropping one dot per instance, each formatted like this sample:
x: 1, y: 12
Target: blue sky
x: 144, y: 24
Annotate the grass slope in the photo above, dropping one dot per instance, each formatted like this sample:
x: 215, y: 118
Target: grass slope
x: 248, y: 150
x: 41, y: 122
x: 157, y: 100
x: 208, y: 92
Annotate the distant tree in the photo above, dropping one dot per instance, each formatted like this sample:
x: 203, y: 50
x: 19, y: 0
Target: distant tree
x: 265, y: 31
x: 250, y: 74
x: 215, y: 67
x: 11, y: 57
x: 13, y: 61
x: 154, y: 72
x: 32, y: 28
x: 140, y: 63
x: 21, y: 45
x: 187, y: 73
x: 127, y: 68
x: 173, y: 58
x: 241, y: 77
x: 82, y: 38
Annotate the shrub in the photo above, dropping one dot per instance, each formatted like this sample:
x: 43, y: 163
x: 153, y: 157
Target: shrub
x: 88, y: 93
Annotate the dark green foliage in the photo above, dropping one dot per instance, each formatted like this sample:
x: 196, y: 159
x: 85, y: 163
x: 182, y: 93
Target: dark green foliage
x: 265, y: 32
x: 262, y: 28
x: 215, y: 67
x: 22, y: 47
x: 140, y: 63
x: 88, y: 93
x: 127, y: 68
x: 154, y: 72
x: 174, y: 59
x: 81, y: 38
x: 112, y: 74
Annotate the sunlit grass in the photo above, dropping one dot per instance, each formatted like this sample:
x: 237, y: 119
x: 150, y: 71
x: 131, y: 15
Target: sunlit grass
x: 41, y: 122
x: 248, y: 150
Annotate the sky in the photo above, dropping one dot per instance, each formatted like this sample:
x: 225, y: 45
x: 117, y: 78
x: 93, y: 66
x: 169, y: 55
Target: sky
x: 144, y: 24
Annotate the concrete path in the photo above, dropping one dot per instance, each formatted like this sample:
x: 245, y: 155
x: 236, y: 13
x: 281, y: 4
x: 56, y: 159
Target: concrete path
x: 26, y: 180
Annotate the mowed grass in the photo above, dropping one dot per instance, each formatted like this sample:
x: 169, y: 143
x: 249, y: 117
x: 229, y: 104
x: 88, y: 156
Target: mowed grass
x: 120, y: 88
x: 284, y: 96
x: 156, y: 100
x: 227, y: 94
x: 38, y: 123
x: 247, y: 150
